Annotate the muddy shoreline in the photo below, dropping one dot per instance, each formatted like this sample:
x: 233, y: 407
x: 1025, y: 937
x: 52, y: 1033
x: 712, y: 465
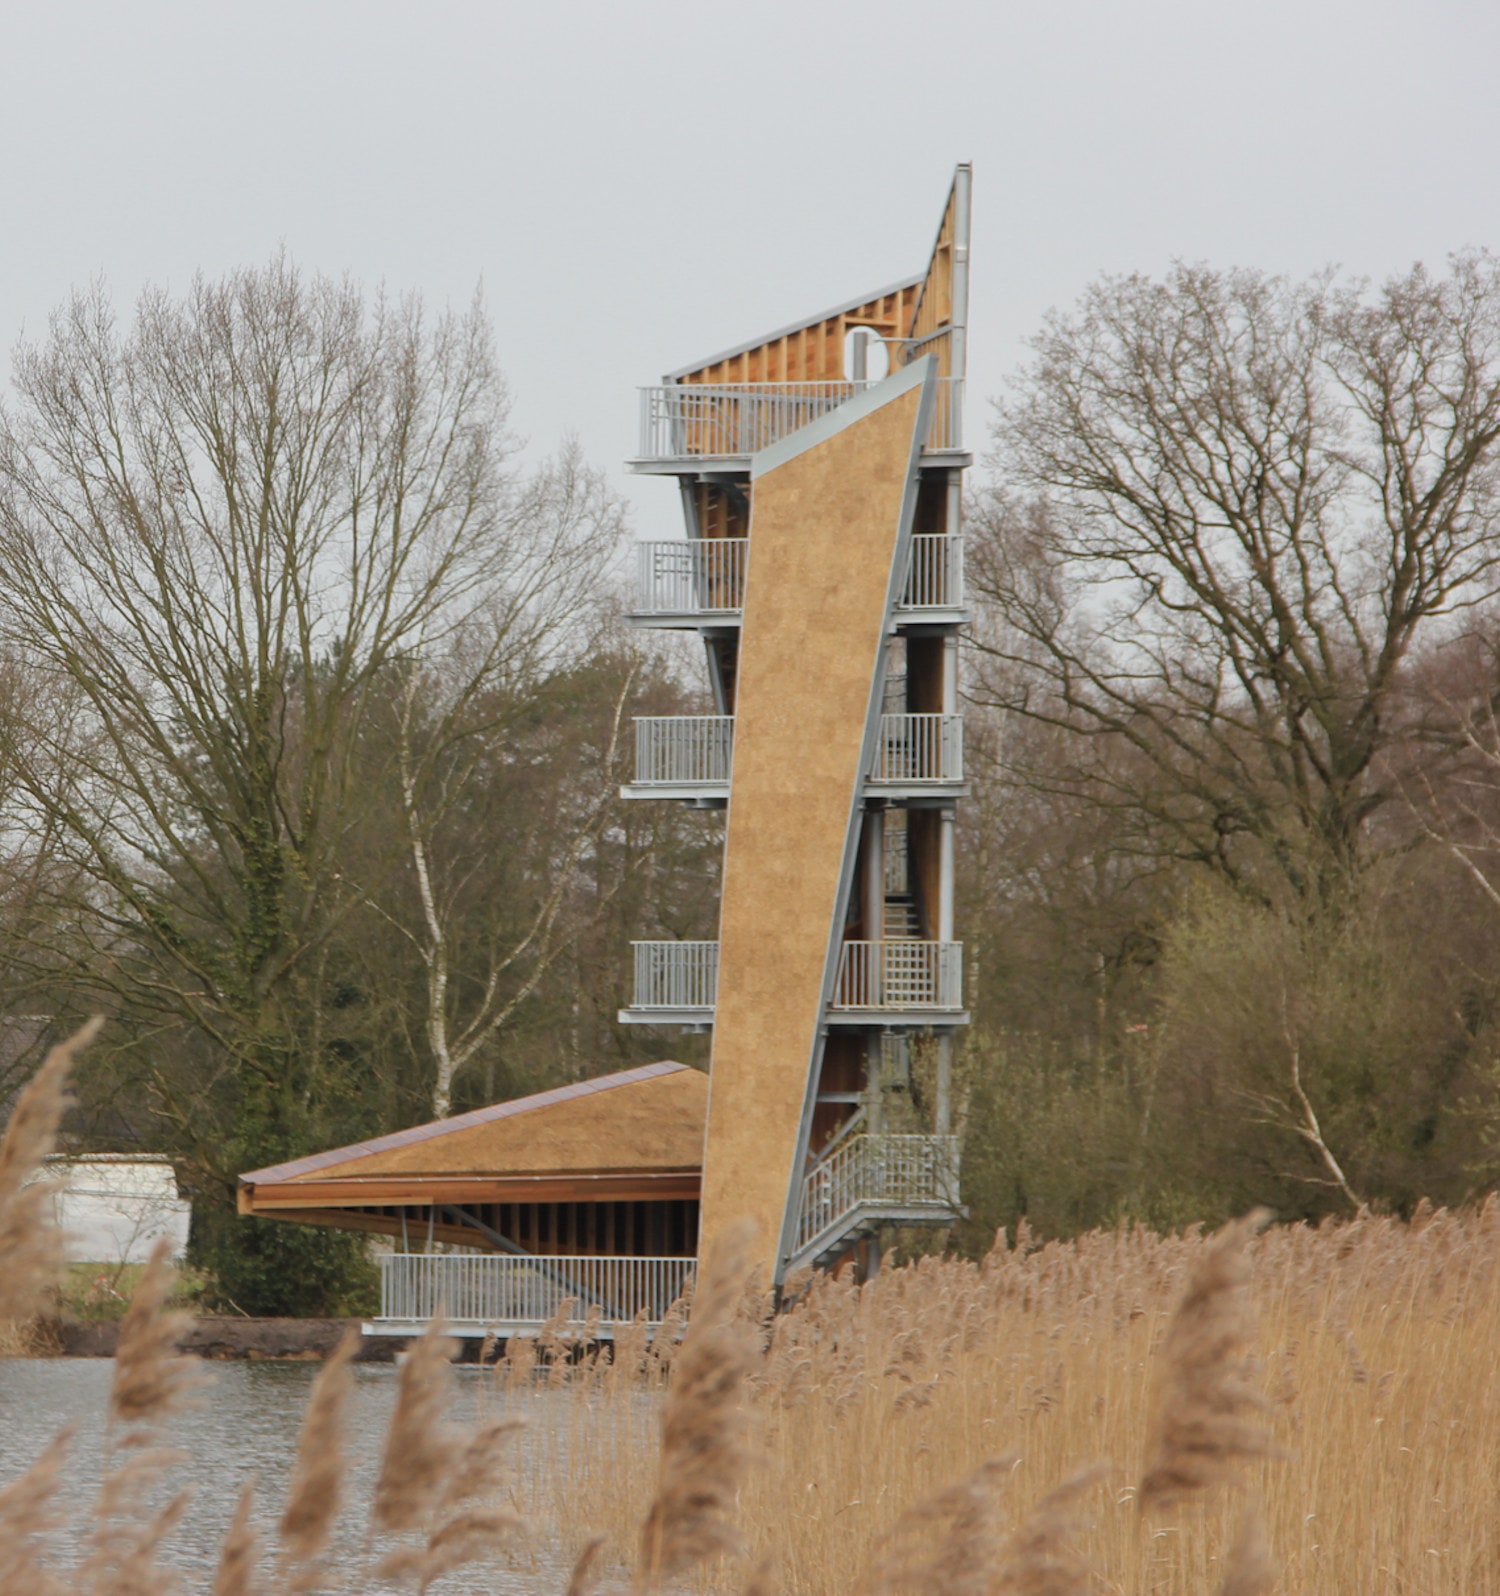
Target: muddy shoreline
x: 216, y: 1336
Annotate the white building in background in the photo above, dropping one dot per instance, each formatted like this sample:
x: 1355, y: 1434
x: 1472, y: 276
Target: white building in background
x: 114, y: 1206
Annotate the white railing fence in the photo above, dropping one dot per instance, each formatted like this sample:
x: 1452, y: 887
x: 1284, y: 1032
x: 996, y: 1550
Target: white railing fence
x: 680, y: 420
x: 919, y: 748
x: 691, y: 576
x: 706, y: 576
x: 901, y: 973
x: 688, y: 750
x: 877, y: 1171
x: 676, y: 975
x: 679, y: 750
x: 491, y: 1288
x: 935, y: 578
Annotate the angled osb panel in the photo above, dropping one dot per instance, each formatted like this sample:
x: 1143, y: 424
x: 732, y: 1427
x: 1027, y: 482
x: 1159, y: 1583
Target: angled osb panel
x: 832, y: 510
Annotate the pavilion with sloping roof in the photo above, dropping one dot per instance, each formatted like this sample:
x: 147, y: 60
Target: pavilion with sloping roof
x: 588, y: 1191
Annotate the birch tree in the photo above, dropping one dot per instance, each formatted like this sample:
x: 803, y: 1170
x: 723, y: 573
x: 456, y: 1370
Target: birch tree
x: 229, y: 531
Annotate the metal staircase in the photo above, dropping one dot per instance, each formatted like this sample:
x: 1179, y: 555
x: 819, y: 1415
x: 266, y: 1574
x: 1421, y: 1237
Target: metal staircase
x: 866, y: 1180
x: 902, y: 920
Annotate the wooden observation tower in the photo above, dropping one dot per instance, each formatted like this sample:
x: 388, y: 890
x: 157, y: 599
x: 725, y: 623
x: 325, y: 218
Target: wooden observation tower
x: 820, y: 471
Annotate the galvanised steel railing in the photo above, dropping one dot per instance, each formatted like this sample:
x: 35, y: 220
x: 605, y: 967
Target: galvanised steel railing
x: 706, y: 576
x: 696, y: 750
x: 919, y: 748
x: 881, y: 1172
x: 900, y: 973
x: 935, y: 580
x: 682, y: 750
x: 676, y: 975
x: 696, y: 576
x: 682, y: 420
x: 490, y: 1288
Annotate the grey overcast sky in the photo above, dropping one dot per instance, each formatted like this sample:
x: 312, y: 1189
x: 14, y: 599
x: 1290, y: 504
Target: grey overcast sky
x: 642, y: 182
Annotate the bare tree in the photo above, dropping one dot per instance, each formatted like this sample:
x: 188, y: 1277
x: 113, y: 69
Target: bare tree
x: 228, y: 534
x: 1231, y: 506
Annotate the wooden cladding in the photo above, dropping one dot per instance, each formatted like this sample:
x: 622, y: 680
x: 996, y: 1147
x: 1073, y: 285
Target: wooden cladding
x: 722, y: 509
x: 814, y: 353
x: 665, y: 1229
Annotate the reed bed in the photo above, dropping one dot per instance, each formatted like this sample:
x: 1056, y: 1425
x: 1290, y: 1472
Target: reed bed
x: 1337, y: 1414
x: 1290, y: 1409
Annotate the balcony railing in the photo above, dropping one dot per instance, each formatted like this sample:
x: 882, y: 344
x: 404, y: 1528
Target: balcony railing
x: 919, y: 748
x: 683, y: 750
x: 674, y: 752
x: 935, y: 579
x: 898, y: 975
x: 676, y: 975
x: 696, y: 576
x: 690, y: 420
x: 496, y: 1288
x: 706, y: 576
x: 894, y: 1174
x: 901, y: 973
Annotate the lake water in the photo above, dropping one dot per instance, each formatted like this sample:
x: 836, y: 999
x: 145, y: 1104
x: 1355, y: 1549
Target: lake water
x: 243, y: 1426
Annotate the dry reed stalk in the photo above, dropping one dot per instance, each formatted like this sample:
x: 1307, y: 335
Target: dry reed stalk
x: 124, y: 1559
x: 31, y: 1248
x: 1249, y: 1569
x: 420, y: 1445
x: 468, y: 1534
x: 581, y: 1580
x: 948, y: 1544
x: 28, y: 1514
x: 317, y: 1485
x: 234, y: 1574
x: 704, y: 1444
x: 1202, y: 1432
x: 150, y: 1379
x: 1042, y: 1558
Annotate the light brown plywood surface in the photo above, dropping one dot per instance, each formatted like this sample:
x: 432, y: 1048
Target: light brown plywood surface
x: 824, y: 531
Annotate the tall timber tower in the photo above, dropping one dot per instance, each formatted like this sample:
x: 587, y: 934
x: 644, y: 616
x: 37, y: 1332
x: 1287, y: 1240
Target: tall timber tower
x: 820, y: 470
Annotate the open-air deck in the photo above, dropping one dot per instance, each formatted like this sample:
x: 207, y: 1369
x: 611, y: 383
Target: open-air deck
x: 687, y: 426
x: 899, y: 980
x: 700, y: 582
x: 861, y: 1182
x: 690, y: 756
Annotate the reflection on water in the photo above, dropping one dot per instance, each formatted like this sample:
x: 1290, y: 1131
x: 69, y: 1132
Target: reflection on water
x: 244, y: 1426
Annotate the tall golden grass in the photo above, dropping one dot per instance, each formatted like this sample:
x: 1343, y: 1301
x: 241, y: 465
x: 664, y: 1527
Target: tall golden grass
x: 1300, y: 1410
x: 1318, y: 1405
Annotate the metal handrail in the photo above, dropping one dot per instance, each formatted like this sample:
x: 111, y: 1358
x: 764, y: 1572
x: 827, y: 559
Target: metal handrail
x: 490, y: 1288
x: 706, y: 576
x: 697, y: 750
x: 683, y: 750
x: 682, y: 420
x: 919, y: 748
x: 676, y: 975
x: 693, y: 576
x: 900, y: 973
x: 903, y: 1172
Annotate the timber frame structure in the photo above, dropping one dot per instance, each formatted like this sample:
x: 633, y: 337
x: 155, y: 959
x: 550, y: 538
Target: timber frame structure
x: 820, y: 475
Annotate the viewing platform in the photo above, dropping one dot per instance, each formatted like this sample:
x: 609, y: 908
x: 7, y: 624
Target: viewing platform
x: 700, y: 582
x: 689, y: 757
x: 479, y: 1293
x: 687, y: 427
x: 898, y: 980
